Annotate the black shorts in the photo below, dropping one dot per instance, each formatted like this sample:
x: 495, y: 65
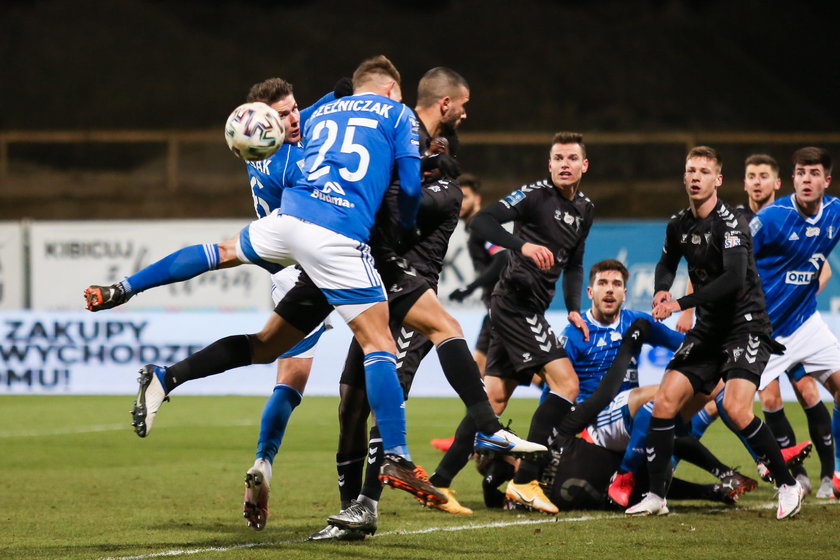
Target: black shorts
x: 482, y: 344
x: 521, y: 342
x: 304, y: 306
x: 412, y: 347
x: 706, y: 359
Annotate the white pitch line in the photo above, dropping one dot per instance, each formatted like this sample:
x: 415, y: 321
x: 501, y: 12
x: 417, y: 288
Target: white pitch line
x: 471, y: 527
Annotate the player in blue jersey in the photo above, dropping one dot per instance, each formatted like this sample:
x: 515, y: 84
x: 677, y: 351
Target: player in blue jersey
x: 354, y: 146
x: 607, y: 322
x: 793, y: 238
x: 268, y: 179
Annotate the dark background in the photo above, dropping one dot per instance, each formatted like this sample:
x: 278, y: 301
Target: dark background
x: 655, y: 65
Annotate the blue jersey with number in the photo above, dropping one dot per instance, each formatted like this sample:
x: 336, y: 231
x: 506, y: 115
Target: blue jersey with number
x: 790, y: 251
x: 351, y: 144
x: 269, y: 177
x: 592, y: 359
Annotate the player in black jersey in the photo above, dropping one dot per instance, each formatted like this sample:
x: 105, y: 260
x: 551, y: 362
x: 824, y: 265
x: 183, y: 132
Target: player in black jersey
x: 761, y: 183
x: 731, y: 337
x: 551, y: 221
x: 579, y: 471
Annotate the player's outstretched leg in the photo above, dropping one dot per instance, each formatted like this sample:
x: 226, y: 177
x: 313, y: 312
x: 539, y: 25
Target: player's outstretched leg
x: 150, y: 396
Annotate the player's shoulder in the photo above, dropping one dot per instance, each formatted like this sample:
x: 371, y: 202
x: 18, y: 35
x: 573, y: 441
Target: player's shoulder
x: 583, y: 202
x: 529, y: 191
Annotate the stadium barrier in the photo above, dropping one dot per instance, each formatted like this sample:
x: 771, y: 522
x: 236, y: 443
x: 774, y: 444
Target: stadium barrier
x: 50, y: 345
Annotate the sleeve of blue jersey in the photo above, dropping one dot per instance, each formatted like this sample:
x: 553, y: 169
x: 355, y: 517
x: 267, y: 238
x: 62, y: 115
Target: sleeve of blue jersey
x: 570, y: 339
x: 660, y: 334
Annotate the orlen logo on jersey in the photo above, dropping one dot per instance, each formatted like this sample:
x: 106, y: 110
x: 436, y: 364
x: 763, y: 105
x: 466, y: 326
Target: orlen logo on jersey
x: 332, y: 187
x: 798, y: 278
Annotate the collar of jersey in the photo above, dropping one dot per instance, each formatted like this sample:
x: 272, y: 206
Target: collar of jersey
x: 810, y: 219
x: 594, y: 321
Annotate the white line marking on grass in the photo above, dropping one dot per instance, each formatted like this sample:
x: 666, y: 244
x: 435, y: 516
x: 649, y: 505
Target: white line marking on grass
x: 470, y: 527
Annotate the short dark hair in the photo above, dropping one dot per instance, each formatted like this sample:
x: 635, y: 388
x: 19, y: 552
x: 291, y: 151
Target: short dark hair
x: 471, y: 181
x: 269, y: 91
x: 375, y: 65
x: 439, y: 82
x: 705, y: 152
x: 608, y: 264
x: 763, y: 159
x: 569, y: 138
x: 811, y: 155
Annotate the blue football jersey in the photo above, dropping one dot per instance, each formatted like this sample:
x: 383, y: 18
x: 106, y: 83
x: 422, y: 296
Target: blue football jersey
x: 351, y: 145
x: 269, y: 177
x: 790, y: 251
x: 592, y: 359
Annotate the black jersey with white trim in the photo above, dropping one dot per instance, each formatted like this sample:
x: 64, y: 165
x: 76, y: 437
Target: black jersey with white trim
x: 422, y: 253
x: 543, y: 216
x: 703, y: 242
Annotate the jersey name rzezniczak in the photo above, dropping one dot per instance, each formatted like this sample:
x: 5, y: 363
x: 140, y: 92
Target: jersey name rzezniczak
x: 351, y: 145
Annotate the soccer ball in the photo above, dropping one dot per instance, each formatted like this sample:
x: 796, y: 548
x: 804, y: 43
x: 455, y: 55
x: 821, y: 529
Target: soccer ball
x: 254, y: 131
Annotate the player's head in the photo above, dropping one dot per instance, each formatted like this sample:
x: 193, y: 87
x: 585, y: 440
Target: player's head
x: 471, y: 203
x: 279, y: 94
x: 446, y: 91
x: 702, y: 175
x: 811, y: 174
x: 378, y: 75
x: 761, y: 179
x: 607, y: 289
x: 567, y: 159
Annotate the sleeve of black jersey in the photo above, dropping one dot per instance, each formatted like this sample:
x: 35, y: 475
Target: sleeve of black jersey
x: 735, y: 262
x: 573, y: 279
x: 488, y: 225
x: 491, y: 274
x: 666, y: 268
x: 585, y: 413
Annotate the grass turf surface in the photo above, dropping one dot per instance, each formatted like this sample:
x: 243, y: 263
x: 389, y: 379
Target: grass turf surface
x: 77, y: 483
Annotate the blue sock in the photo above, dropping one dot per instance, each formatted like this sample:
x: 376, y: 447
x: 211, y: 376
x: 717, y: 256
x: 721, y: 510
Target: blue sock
x: 181, y: 265
x: 835, y: 431
x: 700, y: 423
x: 278, y: 409
x: 634, y: 455
x: 725, y: 418
x: 385, y: 396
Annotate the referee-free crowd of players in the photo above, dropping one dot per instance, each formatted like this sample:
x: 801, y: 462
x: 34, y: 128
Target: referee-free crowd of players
x: 355, y: 212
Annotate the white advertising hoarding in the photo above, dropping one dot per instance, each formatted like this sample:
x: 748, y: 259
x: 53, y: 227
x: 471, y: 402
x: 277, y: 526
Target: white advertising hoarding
x: 66, y: 257
x: 12, y: 276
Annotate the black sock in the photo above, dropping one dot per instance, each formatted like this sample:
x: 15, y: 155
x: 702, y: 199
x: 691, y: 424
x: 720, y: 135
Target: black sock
x: 458, y: 455
x: 547, y: 417
x: 224, y: 354
x: 462, y: 373
x: 372, y: 487
x: 499, y: 472
x: 350, y: 468
x: 660, y: 440
x: 819, y: 428
x: 761, y: 440
x: 780, y: 426
x: 690, y: 449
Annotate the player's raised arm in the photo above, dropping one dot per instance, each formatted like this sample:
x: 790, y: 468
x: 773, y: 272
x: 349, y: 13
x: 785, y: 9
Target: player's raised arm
x: 489, y: 225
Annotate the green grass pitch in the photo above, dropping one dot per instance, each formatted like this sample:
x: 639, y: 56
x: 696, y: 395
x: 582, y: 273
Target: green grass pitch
x: 75, y: 482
